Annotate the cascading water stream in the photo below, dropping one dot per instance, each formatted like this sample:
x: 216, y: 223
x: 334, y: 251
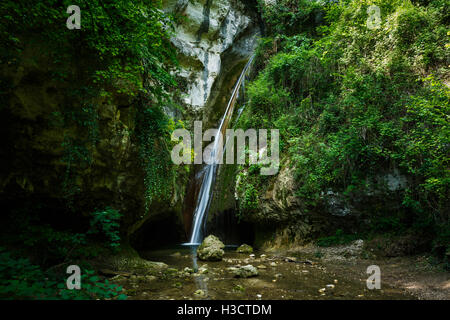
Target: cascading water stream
x: 204, y: 197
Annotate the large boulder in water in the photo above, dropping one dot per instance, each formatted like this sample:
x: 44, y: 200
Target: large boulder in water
x: 245, y: 248
x: 211, y: 249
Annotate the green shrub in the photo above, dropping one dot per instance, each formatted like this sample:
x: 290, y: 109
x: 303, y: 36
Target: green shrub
x: 354, y: 103
x: 387, y: 224
x: 49, y: 243
x: 122, y: 50
x: 107, y: 223
x: 20, y: 279
x: 291, y: 16
x: 339, y: 238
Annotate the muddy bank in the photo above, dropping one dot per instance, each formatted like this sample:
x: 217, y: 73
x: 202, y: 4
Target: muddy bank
x: 306, y: 273
x: 416, y: 275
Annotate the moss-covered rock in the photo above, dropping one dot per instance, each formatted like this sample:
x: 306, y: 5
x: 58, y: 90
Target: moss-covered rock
x: 127, y: 260
x: 211, y: 249
x: 244, y: 271
x: 244, y: 248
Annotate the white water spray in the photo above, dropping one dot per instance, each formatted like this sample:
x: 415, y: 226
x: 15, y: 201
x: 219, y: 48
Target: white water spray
x: 204, y: 197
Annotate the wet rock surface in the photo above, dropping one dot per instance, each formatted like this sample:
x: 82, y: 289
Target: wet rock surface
x: 308, y: 277
x: 213, y: 32
x: 243, y: 271
x: 211, y: 249
x: 244, y: 248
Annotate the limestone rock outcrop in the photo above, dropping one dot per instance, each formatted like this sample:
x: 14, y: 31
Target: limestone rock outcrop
x: 211, y: 249
x: 209, y: 35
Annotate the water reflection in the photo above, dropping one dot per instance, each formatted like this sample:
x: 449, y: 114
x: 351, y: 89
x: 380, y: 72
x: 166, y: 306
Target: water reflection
x: 200, y: 280
x: 194, y: 258
x: 292, y: 280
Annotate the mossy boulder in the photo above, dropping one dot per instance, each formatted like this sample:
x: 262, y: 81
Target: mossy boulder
x: 211, y: 249
x: 244, y: 271
x: 127, y: 260
x: 244, y: 248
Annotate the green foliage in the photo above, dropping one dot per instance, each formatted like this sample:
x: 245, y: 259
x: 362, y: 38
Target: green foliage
x: 120, y: 35
x: 249, y: 186
x: 92, y: 287
x: 49, y: 243
x: 122, y: 50
x: 426, y: 145
x: 387, y: 225
x: 121, y: 53
x: 250, y: 200
x: 339, y: 238
x: 106, y: 222
x: 291, y: 16
x: 153, y: 132
x: 20, y: 279
x: 353, y: 103
x: 54, y: 244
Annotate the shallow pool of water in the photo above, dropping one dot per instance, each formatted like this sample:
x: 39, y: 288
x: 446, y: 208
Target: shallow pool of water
x: 278, y: 279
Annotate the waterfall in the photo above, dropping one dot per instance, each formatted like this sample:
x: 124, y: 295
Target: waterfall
x: 204, y: 197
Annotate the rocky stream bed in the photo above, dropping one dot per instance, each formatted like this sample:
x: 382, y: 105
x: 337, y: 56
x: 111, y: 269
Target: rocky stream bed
x: 305, y: 273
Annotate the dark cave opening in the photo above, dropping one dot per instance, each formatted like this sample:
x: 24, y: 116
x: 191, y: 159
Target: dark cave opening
x: 163, y: 231
x: 229, y: 229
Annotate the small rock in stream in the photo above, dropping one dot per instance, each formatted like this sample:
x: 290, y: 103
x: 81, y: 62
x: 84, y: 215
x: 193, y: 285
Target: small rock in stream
x: 245, y: 248
x: 150, y: 278
x: 290, y: 259
x: 188, y: 270
x: 239, y: 288
x: 244, y: 271
x: 200, y: 293
x: 203, y: 270
x: 261, y: 266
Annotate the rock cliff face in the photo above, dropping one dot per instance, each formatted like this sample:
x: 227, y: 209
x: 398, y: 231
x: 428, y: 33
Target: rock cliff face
x: 282, y: 218
x: 37, y: 147
x: 213, y: 39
